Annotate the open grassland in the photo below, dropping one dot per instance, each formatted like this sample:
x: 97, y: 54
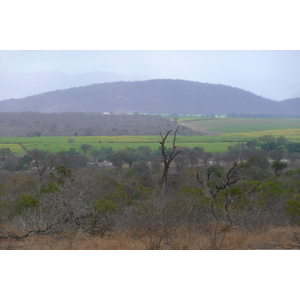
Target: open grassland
x: 218, y: 134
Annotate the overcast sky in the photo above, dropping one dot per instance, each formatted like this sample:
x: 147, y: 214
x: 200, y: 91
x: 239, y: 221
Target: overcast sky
x: 164, y: 25
x: 199, y: 65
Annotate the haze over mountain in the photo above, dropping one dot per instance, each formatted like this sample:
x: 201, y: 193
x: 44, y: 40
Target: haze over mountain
x: 268, y: 73
x: 272, y: 88
x: 153, y: 96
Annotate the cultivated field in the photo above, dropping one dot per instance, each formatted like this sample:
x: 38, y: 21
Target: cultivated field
x: 218, y: 134
x: 233, y: 125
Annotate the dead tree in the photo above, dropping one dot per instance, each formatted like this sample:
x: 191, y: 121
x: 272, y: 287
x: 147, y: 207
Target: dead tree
x: 168, y: 158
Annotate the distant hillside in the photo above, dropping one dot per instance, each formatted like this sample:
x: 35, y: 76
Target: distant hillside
x: 153, y: 96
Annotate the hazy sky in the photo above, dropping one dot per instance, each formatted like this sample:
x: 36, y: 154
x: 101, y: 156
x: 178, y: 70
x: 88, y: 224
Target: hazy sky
x: 165, y: 25
x: 200, y: 65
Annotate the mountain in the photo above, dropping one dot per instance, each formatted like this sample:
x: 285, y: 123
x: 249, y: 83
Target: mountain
x: 18, y: 84
x: 153, y: 96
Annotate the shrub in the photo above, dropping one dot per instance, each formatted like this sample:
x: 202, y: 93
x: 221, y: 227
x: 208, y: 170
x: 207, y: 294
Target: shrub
x: 27, y: 201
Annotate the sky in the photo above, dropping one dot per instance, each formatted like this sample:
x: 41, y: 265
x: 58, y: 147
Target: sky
x: 215, y: 66
x: 274, y: 74
x: 211, y: 41
x: 248, y: 44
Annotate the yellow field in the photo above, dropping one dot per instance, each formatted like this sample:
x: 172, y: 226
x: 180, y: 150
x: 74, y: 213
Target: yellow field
x: 290, y: 134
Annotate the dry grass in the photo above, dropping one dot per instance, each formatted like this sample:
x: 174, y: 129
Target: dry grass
x: 181, y: 239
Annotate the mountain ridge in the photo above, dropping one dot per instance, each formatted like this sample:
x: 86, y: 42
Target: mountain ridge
x: 155, y: 96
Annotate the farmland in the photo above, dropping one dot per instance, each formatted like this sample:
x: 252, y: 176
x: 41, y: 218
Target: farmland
x: 56, y: 144
x: 217, y: 135
x: 243, y: 125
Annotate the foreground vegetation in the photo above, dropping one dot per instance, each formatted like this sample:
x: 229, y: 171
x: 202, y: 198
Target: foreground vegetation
x: 170, y: 198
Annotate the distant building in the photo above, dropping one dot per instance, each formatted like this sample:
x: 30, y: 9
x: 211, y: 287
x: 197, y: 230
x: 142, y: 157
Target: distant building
x: 190, y: 116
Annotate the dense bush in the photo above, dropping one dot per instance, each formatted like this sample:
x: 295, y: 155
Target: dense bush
x: 68, y: 192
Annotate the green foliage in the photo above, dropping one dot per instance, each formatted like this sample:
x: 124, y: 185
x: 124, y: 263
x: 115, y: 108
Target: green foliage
x: 252, y: 144
x: 272, y: 190
x: 4, y: 152
x: 85, y: 148
x: 216, y: 171
x: 61, y: 175
x: 2, y: 193
x: 234, y: 191
x: 256, y: 168
x: 268, y: 143
x: 293, y: 147
x: 23, y: 162
x: 258, y: 161
x: 50, y: 188
x: 119, y: 194
x: 104, y: 206
x: 293, y: 173
x: 293, y: 209
x: 102, y: 154
x: 71, y: 152
x: 144, y: 152
x: 34, y: 133
x: 143, y: 190
x: 278, y: 166
x: 128, y: 155
x: 237, y: 148
x: 189, y: 191
x: 27, y: 201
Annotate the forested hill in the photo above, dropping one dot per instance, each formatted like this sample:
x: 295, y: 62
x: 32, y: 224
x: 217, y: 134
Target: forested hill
x: 153, y: 96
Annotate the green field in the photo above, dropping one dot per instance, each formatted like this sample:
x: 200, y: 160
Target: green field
x: 218, y: 134
x: 233, y: 125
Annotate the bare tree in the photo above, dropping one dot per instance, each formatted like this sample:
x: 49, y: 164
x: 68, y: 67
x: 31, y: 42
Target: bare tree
x: 168, y: 157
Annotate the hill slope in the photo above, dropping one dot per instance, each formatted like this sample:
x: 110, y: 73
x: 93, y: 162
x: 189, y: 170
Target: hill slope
x: 153, y: 96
